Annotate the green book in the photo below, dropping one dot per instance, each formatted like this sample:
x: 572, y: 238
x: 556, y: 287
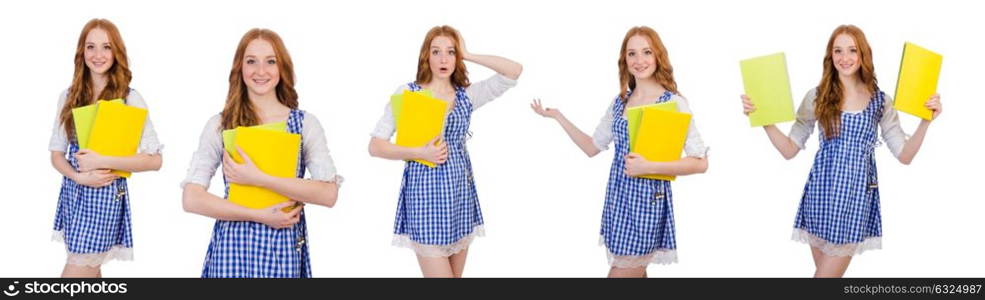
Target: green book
x: 83, y: 117
x: 635, y: 114
x: 768, y: 86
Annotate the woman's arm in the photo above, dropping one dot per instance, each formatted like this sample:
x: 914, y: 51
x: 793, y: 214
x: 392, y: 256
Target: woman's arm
x: 580, y: 138
x: 303, y: 190
x: 637, y: 165
x: 90, y: 160
x: 434, y: 151
x: 195, y: 199
x: 93, y: 178
x: 501, y: 65
x: 912, y: 145
x: 787, y: 148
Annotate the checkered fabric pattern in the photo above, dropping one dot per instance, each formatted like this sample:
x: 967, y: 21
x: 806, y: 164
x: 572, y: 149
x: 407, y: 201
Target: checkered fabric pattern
x: 439, y: 206
x: 251, y: 249
x: 840, y: 203
x: 638, y: 217
x: 93, y: 220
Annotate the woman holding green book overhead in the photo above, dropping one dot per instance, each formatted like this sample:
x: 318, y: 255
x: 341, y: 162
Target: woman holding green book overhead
x: 839, y: 214
x: 438, y: 211
x: 268, y: 241
x: 638, y: 216
x: 93, y: 214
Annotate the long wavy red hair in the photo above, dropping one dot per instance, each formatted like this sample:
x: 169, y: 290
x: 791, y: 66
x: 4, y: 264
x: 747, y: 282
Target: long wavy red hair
x: 460, y: 77
x: 830, y: 92
x: 239, y: 111
x: 664, y: 73
x: 81, y: 92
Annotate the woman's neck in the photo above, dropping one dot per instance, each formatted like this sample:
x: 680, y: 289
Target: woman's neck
x: 649, y: 88
x: 98, y: 83
x: 851, y: 84
x: 267, y: 107
x: 440, y: 86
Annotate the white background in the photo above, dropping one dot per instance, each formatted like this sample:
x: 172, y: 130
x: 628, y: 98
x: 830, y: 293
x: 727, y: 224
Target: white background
x: 541, y: 197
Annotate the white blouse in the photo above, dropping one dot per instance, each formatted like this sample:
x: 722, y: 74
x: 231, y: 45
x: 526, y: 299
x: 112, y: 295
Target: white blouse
x: 479, y: 94
x: 892, y: 133
x: 693, y: 145
x: 207, y: 158
x: 148, y: 139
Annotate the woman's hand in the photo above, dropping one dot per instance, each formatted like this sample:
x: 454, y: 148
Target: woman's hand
x: 246, y: 173
x: 90, y: 160
x: 435, y: 151
x: 747, y: 106
x: 552, y: 113
x: 934, y: 104
x: 95, y: 178
x: 276, y: 217
x: 461, y: 46
x: 636, y: 165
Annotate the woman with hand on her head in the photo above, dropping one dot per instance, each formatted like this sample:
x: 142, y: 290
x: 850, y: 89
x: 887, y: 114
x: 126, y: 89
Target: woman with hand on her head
x: 438, y: 211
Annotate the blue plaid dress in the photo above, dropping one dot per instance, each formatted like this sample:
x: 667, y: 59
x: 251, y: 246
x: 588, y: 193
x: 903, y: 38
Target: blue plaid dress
x: 638, y: 217
x: 438, y: 210
x: 250, y: 249
x: 93, y: 222
x: 839, y: 211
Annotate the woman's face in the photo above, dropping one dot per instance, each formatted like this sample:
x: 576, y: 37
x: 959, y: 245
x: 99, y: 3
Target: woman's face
x: 442, y: 57
x: 640, y: 58
x: 98, y: 51
x: 260, y: 72
x: 845, y: 55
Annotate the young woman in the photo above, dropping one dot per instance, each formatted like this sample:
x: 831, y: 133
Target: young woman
x: 638, y: 216
x: 264, y: 242
x: 93, y: 215
x: 438, y: 211
x: 839, y: 213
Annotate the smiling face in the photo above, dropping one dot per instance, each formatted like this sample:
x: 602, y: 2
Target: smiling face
x: 845, y: 55
x: 640, y: 58
x: 98, y: 51
x: 442, y: 57
x: 260, y: 72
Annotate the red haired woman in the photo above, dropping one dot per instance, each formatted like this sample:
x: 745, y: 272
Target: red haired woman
x: 438, y: 211
x: 839, y: 213
x: 638, y: 216
x: 93, y: 215
x: 265, y: 242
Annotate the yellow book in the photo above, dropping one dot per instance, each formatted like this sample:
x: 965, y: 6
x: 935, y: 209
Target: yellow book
x: 634, y: 114
x: 661, y: 137
x: 421, y: 119
x: 82, y: 117
x: 229, y: 135
x: 918, y: 73
x: 767, y: 83
x: 275, y: 153
x: 116, y: 130
x: 397, y: 101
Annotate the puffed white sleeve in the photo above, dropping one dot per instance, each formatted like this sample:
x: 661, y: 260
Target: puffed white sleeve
x: 207, y: 158
x: 387, y: 125
x: 59, y: 140
x: 149, y: 144
x: 317, y: 158
x: 694, y: 146
x: 603, y: 131
x: 803, y: 127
